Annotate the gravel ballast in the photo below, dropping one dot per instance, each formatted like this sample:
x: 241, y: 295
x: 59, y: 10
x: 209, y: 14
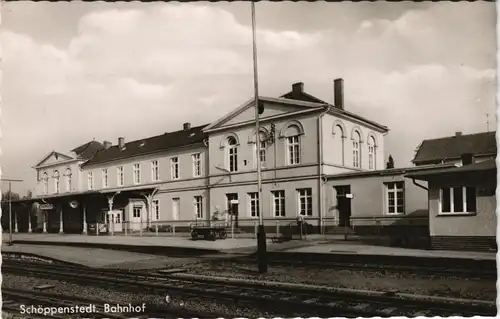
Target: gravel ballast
x: 355, y: 279
x: 123, y: 298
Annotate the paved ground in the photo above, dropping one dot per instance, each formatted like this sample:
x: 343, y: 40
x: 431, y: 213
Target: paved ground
x: 314, y: 244
x: 106, y: 258
x: 340, y: 247
x: 137, y: 241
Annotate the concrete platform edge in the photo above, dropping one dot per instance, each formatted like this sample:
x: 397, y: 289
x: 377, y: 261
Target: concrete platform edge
x: 40, y: 256
x: 144, y: 249
x: 445, y: 261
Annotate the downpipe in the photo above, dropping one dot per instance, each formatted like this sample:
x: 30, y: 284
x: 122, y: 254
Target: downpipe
x: 320, y: 170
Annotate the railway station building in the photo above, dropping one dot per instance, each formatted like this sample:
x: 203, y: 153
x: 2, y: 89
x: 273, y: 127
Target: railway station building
x: 192, y: 174
x: 319, y: 161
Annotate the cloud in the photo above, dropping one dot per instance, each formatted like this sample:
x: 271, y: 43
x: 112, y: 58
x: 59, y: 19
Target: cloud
x: 142, y: 71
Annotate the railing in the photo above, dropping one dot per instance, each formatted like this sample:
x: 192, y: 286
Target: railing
x: 274, y: 226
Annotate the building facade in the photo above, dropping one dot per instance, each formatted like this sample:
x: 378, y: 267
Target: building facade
x: 191, y: 175
x: 462, y: 206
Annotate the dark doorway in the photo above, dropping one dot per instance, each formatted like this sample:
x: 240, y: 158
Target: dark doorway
x: 233, y: 208
x: 344, y: 205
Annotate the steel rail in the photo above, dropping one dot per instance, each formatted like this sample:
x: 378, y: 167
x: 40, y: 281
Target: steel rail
x: 362, y: 266
x: 318, y: 302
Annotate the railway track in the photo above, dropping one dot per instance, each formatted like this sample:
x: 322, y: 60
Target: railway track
x: 278, y: 299
x: 346, y: 262
x: 383, y: 268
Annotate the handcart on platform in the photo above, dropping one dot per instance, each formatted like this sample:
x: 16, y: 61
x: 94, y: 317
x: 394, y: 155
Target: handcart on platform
x: 208, y: 232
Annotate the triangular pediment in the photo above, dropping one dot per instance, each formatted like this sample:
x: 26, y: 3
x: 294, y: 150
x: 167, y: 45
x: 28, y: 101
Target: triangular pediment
x: 54, y: 157
x: 272, y: 107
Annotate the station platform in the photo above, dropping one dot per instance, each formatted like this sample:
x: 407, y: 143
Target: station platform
x: 338, y: 247
x: 146, y: 244
x: 99, y: 258
x: 184, y: 246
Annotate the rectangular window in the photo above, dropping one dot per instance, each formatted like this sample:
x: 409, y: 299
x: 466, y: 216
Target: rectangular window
x: 104, y: 177
x: 155, y: 171
x: 45, y: 186
x: 156, y: 209
x: 233, y: 158
x: 254, y: 204
x: 293, y: 150
x: 137, y: 173
x: 174, y: 167
x: 395, y: 198
x: 355, y: 154
x: 91, y: 180
x: 68, y: 182
x: 262, y: 154
x: 305, y: 201
x: 56, y: 185
x: 119, y: 176
x: 137, y: 212
x: 458, y: 199
x: 279, y: 203
x: 118, y: 217
x: 371, y: 157
x: 198, y: 206
x: 196, y: 164
x: 176, y: 204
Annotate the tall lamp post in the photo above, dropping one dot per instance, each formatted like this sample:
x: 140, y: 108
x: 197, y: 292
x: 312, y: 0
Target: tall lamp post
x: 10, y: 205
x: 261, y: 233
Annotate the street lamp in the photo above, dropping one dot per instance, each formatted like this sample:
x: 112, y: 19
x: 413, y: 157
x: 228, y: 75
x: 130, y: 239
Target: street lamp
x: 10, y: 205
x: 261, y: 233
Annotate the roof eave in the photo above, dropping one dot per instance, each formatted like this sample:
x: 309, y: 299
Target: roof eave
x: 336, y: 111
x: 90, y: 163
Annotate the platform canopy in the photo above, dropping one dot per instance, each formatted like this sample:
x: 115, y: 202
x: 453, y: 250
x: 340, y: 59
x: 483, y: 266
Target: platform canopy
x: 487, y: 168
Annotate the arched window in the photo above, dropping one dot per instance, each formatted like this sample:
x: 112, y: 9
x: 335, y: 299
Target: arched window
x: 232, y: 153
x: 45, y: 181
x: 56, y: 182
x: 356, y: 150
x: 339, y: 148
x: 68, y: 179
x: 293, y: 144
x: 372, y: 156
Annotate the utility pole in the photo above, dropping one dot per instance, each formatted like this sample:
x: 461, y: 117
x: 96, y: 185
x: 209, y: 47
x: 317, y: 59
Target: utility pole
x: 10, y: 205
x: 261, y: 233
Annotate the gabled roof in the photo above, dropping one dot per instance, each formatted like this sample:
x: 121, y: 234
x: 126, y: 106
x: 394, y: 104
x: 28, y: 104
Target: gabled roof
x: 88, y: 150
x: 335, y: 110
x: 453, y: 147
x: 150, y: 145
x: 251, y: 103
x: 66, y: 157
x: 85, y: 152
x: 302, y: 96
x: 488, y: 165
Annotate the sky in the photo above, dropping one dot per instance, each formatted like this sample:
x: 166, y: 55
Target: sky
x: 75, y: 71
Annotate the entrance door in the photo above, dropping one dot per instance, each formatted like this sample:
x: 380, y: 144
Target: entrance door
x: 344, y: 205
x: 117, y: 217
x: 232, y: 208
x: 176, y: 205
x: 136, y: 217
